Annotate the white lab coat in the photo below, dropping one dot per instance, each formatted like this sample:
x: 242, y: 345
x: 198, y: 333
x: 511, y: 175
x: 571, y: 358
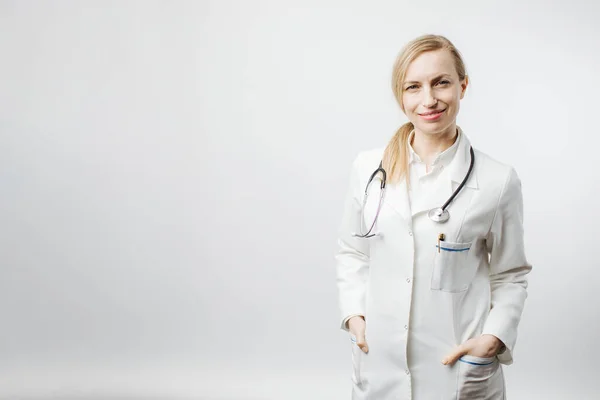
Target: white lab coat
x: 420, y: 301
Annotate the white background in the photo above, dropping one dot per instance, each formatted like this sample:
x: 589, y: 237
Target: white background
x: 172, y: 177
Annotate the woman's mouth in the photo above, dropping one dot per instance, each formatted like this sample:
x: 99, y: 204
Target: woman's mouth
x: 432, y: 116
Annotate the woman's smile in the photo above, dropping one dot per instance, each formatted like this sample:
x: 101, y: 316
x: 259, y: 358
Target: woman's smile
x: 432, y: 116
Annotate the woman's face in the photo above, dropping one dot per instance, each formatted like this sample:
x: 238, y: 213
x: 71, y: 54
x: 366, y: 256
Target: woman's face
x: 432, y: 92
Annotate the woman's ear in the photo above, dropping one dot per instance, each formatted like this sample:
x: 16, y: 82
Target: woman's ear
x: 463, y: 86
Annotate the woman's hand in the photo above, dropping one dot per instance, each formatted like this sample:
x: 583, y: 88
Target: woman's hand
x: 357, y: 326
x: 483, y: 346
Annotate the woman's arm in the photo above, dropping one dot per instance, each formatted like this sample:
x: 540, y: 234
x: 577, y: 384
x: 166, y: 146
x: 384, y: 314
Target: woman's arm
x: 352, y: 257
x: 508, y: 267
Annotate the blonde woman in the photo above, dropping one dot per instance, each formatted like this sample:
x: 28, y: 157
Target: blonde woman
x: 431, y: 266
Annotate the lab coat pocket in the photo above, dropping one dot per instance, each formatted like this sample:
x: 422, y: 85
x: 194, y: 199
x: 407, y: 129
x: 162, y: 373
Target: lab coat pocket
x: 357, y: 358
x: 480, y: 378
x: 453, y: 268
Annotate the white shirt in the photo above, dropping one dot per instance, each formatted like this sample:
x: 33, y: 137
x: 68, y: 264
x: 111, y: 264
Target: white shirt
x: 421, y: 181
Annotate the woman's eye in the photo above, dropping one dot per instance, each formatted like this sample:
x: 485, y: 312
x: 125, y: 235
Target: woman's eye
x: 411, y: 87
x: 444, y: 82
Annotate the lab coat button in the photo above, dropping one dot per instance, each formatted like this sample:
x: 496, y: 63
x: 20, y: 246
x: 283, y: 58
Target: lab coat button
x: 407, y: 372
x: 407, y: 280
x: 410, y: 233
x: 405, y: 327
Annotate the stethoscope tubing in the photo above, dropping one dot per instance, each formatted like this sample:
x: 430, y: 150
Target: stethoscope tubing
x: 383, y: 182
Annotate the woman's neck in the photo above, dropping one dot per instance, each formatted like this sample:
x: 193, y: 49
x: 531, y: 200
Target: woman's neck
x: 429, y: 146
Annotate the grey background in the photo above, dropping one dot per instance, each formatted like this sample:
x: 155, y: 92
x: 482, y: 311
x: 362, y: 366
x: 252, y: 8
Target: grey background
x: 172, y: 176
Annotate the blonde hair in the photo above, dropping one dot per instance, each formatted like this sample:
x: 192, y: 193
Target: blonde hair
x: 395, y: 156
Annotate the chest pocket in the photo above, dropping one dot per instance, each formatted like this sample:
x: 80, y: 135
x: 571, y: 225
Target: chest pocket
x: 453, y: 266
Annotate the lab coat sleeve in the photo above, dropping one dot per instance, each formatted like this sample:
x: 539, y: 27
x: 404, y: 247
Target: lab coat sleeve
x: 352, y: 256
x: 508, y: 267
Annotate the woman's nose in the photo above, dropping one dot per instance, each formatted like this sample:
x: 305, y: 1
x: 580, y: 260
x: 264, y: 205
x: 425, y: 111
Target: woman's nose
x: 428, y: 100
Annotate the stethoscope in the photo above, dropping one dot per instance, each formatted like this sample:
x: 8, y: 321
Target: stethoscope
x: 439, y: 214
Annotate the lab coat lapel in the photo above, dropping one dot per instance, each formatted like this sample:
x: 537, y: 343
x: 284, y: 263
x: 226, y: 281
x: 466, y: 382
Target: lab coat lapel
x: 459, y: 166
x: 436, y: 195
x: 396, y: 197
x: 449, y: 179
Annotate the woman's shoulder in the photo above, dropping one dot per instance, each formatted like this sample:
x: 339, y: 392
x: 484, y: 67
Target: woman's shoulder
x: 369, y: 158
x: 493, y: 172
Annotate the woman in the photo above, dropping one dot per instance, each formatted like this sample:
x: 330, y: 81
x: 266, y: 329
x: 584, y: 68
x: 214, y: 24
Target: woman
x: 432, y: 306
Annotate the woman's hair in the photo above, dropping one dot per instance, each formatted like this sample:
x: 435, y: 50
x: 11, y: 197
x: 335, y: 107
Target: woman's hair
x: 395, y: 156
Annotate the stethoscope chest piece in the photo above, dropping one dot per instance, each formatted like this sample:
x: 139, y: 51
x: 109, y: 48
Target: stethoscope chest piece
x: 439, y: 215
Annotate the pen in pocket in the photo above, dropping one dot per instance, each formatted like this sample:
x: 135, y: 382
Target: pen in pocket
x: 441, y: 237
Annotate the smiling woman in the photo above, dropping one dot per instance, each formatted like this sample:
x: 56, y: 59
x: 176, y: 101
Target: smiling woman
x: 432, y: 305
